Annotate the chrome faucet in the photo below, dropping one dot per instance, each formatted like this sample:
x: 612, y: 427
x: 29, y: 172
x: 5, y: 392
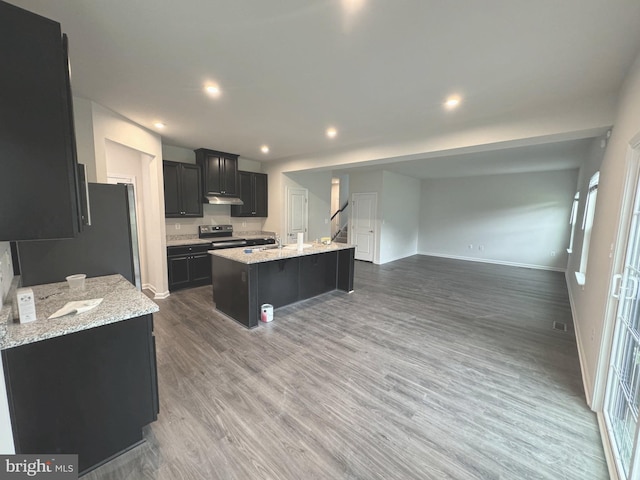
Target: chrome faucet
x: 278, y: 241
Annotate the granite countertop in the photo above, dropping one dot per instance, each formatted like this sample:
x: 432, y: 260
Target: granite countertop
x: 192, y: 239
x: 259, y: 254
x: 121, y: 302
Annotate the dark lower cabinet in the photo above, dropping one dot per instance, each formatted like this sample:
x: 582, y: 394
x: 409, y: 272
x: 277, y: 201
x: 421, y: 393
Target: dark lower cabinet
x: 88, y: 393
x: 240, y: 289
x: 189, y: 266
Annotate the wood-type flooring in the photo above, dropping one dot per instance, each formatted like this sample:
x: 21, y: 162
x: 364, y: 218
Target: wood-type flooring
x: 431, y: 369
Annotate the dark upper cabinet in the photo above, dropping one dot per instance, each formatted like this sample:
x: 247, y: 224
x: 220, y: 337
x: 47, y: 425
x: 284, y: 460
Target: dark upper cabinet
x: 182, y: 189
x: 219, y: 172
x: 39, y: 191
x: 252, y: 188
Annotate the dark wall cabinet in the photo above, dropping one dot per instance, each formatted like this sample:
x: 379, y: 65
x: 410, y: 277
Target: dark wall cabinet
x: 39, y: 189
x: 182, y: 189
x: 88, y: 393
x: 189, y: 266
x: 219, y: 172
x: 253, y: 192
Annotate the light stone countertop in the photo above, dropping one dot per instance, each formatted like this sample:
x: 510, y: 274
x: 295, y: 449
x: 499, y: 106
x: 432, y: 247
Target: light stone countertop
x: 192, y: 239
x: 121, y: 301
x: 260, y: 255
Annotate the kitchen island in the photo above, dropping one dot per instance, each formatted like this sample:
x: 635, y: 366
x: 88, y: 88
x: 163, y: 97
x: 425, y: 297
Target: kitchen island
x: 81, y: 384
x: 243, y: 281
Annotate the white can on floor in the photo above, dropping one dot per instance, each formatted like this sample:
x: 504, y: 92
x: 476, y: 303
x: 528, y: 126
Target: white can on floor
x: 266, y: 312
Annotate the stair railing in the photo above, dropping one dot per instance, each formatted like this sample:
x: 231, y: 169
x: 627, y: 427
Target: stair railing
x: 336, y: 228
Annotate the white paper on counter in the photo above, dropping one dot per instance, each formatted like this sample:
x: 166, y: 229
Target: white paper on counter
x: 77, y: 307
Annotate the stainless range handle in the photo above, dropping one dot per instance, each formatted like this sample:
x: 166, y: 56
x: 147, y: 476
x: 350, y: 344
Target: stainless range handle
x: 238, y: 243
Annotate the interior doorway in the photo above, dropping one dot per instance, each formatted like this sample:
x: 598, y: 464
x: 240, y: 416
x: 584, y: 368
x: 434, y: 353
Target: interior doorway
x: 362, y: 233
x: 297, y: 214
x: 127, y: 165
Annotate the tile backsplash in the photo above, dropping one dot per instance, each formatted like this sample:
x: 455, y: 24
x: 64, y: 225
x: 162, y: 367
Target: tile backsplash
x: 213, y: 215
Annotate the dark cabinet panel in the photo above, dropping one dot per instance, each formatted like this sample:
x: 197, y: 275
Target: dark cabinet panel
x: 189, y: 266
x: 261, y: 195
x: 191, y: 190
x: 200, y: 268
x: 253, y: 192
x: 39, y: 188
x: 278, y: 282
x: 318, y: 274
x: 88, y: 393
x: 172, y: 203
x: 220, y: 172
x: 182, y: 190
x: 178, y: 272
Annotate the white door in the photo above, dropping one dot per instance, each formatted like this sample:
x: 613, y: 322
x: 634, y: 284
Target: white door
x: 297, y: 214
x: 363, y: 225
x: 622, y: 394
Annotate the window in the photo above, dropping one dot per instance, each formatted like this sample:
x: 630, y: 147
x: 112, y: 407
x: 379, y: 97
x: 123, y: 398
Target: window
x: 587, y: 224
x: 572, y: 220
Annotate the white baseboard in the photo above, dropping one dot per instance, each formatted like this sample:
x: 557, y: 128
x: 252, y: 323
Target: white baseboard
x: 156, y: 295
x: 588, y: 389
x: 496, y: 262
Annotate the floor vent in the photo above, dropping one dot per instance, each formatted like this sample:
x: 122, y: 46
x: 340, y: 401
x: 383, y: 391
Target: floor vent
x: 562, y: 327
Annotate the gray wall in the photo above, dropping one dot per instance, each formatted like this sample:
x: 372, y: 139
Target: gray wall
x: 400, y: 208
x: 517, y: 219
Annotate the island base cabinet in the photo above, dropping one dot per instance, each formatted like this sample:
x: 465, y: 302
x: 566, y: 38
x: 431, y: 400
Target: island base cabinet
x: 239, y: 289
x: 87, y: 393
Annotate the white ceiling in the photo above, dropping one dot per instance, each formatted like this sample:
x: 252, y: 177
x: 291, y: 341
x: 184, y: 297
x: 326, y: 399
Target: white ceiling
x: 565, y: 155
x: 377, y: 70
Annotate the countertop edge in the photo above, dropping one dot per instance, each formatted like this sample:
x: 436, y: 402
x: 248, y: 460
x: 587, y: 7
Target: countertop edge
x: 262, y: 256
x: 122, y: 301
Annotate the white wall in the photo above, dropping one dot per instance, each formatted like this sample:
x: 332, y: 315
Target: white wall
x: 593, y: 325
x: 108, y: 126
x: 85, y: 147
x: 212, y: 214
x: 400, y: 208
x: 517, y: 219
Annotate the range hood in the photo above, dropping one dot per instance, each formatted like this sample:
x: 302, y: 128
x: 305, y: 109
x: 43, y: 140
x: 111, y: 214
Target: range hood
x: 218, y: 200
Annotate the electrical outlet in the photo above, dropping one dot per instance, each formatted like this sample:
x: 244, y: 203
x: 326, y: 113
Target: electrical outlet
x: 244, y: 224
x: 471, y: 246
x: 177, y: 226
x: 481, y: 248
x: 553, y: 253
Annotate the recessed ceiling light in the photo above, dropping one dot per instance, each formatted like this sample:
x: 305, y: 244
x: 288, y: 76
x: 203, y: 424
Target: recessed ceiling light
x: 159, y: 124
x: 331, y: 132
x: 213, y: 90
x: 452, y: 102
x: 264, y: 149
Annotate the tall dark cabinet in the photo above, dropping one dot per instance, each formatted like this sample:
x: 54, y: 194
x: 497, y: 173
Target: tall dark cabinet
x: 182, y: 189
x: 220, y: 172
x: 253, y: 193
x: 39, y: 190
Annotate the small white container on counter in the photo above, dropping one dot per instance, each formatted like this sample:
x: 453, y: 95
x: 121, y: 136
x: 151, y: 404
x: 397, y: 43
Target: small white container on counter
x: 266, y: 312
x: 26, y: 305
